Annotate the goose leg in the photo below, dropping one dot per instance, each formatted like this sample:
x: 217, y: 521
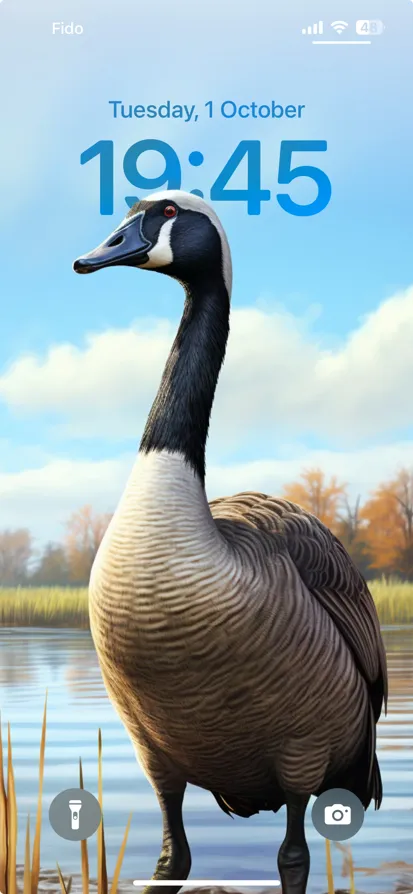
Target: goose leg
x: 175, y: 859
x: 294, y: 856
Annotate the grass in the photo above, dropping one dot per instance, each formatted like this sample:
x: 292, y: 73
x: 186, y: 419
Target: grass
x: 66, y: 607
x: 394, y: 601
x: 9, y: 826
x: 44, y: 607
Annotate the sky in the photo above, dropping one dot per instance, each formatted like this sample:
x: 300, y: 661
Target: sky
x: 319, y: 367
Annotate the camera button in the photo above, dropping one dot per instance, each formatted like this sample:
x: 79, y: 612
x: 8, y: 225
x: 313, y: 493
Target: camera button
x: 337, y: 814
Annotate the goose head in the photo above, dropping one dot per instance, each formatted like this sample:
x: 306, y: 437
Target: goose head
x: 173, y: 232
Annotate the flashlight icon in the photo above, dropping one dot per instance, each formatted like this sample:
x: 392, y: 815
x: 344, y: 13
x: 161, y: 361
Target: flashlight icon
x: 75, y: 807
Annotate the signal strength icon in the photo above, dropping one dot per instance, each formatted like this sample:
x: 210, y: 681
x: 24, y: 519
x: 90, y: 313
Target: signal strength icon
x: 318, y: 28
x: 339, y: 27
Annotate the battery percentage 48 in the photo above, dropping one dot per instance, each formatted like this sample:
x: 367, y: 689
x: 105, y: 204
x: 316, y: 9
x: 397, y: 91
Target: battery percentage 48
x: 370, y: 27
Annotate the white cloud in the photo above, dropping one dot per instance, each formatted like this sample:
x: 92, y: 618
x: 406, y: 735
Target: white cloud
x: 278, y: 379
x: 44, y: 497
x: 100, y: 389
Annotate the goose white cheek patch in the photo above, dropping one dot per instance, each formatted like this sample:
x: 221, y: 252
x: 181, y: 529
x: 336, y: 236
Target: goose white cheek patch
x: 161, y: 254
x: 194, y: 203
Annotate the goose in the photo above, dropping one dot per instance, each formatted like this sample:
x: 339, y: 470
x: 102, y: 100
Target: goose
x: 237, y: 640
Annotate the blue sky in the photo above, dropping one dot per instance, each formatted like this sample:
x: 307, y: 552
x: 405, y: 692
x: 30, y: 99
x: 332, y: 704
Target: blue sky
x: 319, y: 365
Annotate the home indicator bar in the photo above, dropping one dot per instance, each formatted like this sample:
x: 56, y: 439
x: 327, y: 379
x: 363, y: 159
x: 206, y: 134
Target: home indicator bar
x: 209, y: 882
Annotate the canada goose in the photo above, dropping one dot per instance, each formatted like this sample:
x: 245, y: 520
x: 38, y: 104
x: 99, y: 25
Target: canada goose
x: 237, y: 641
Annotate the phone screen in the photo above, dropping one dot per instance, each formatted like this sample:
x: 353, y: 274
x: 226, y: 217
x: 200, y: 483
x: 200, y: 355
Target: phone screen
x: 240, y: 178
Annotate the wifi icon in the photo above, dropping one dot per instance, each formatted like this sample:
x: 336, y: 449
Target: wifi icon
x: 339, y: 27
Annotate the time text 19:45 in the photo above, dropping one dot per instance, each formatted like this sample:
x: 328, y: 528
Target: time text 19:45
x: 247, y: 153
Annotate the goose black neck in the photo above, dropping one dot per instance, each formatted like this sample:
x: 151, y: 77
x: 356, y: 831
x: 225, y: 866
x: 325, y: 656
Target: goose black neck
x: 179, y: 418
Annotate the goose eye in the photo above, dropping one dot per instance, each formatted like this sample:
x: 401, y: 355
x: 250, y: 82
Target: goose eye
x: 169, y: 211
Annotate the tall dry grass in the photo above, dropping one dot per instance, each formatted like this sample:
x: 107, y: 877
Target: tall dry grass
x: 66, y: 607
x: 394, y: 601
x: 9, y: 826
x: 44, y: 607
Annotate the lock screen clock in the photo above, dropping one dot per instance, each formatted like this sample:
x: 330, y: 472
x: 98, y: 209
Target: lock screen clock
x: 250, y: 150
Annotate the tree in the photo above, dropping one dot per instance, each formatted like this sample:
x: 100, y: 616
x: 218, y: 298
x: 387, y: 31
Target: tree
x: 389, y: 532
x: 351, y: 532
x: 317, y: 496
x: 16, y: 550
x: 84, y: 533
x: 350, y: 522
x: 53, y: 569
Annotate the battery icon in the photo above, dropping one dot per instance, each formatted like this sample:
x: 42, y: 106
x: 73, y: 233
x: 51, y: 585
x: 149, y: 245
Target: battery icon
x: 369, y: 26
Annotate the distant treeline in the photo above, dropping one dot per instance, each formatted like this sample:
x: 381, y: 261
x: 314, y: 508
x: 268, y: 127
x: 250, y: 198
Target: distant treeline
x: 59, y: 564
x: 378, y: 534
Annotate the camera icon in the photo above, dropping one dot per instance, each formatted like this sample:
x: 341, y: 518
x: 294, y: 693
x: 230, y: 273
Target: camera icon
x: 337, y: 815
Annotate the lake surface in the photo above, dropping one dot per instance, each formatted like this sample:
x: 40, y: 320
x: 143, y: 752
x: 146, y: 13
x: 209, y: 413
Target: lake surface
x: 64, y: 662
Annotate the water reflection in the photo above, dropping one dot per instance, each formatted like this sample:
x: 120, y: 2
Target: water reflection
x: 65, y: 663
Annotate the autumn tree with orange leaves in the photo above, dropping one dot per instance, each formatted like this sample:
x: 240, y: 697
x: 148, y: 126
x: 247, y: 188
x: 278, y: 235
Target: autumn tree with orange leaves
x: 389, y: 526
x: 321, y: 497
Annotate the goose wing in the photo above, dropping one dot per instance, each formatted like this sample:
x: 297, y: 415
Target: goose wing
x: 327, y: 571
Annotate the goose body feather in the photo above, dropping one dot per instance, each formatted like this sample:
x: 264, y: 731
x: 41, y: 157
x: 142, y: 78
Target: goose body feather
x: 228, y: 640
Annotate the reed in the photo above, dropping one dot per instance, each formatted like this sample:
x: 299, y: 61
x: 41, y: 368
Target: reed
x: 394, y: 601
x: 84, y: 856
x: 65, y: 888
x: 329, y: 868
x: 44, y: 607
x: 102, y: 873
x: 27, y: 881
x: 119, y: 861
x: 37, y: 835
x: 9, y: 826
x: 348, y: 869
x: 3, y: 821
x: 68, y: 607
x: 11, y: 821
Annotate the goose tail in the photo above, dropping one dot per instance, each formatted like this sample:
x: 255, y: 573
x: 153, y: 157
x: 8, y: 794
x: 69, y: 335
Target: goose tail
x: 377, y: 791
x: 238, y: 806
x: 246, y: 807
x: 375, y: 787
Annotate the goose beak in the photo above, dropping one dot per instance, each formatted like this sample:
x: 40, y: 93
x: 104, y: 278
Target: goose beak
x: 125, y: 246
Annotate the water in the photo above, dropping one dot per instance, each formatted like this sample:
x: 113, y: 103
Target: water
x: 64, y: 662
